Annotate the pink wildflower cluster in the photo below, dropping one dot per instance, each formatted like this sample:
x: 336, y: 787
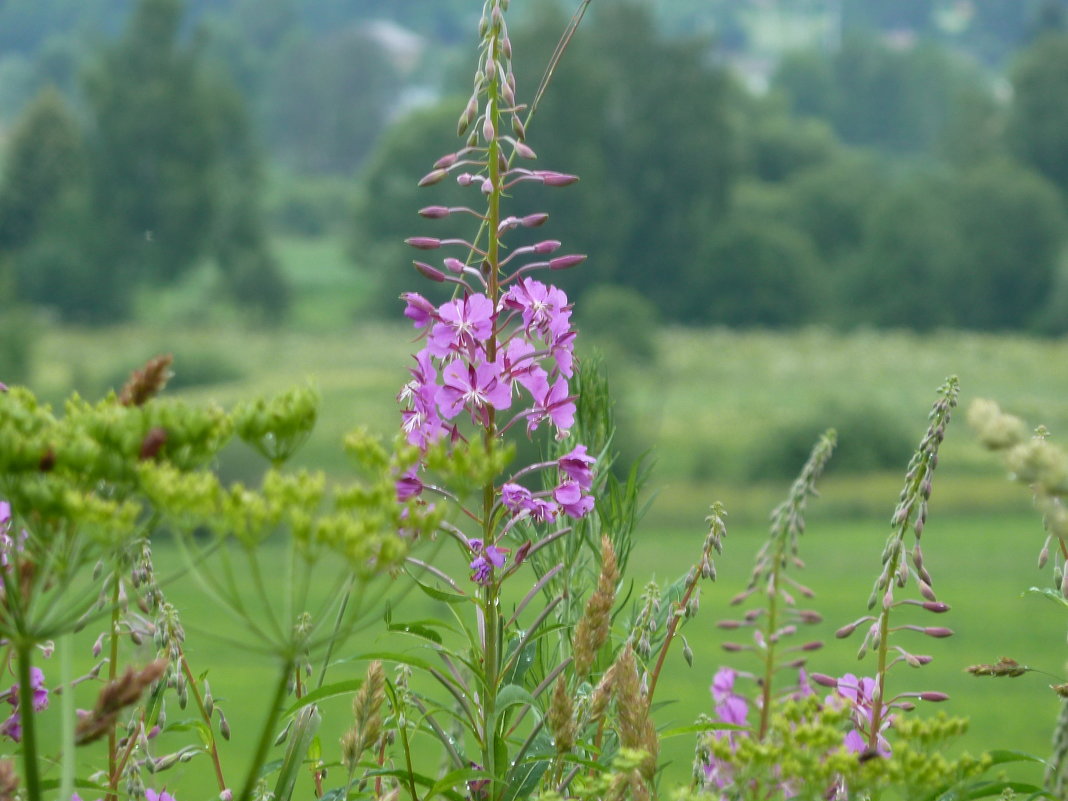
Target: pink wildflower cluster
x: 500, y: 353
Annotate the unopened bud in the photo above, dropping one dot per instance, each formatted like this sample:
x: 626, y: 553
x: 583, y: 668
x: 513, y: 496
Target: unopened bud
x: 465, y: 179
x: 534, y: 220
x: 487, y: 130
x: 687, y: 652
x: 433, y: 177
x: 550, y: 178
x: 224, y: 727
x: 283, y: 735
x: 226, y: 795
x: 98, y: 646
x: 524, y: 151
x: 487, y: 187
x: 823, y: 679
x: 732, y: 647
x: 846, y: 630
x: 446, y: 161
x: 927, y: 592
x: 729, y: 624
x: 506, y: 47
x: 566, y: 262
x: 518, y: 129
x: 429, y: 272
x: 423, y: 242
x: 435, y: 212
x: 815, y: 645
x: 809, y: 616
x: 546, y: 246
x: 936, y: 606
x: 454, y: 265
x: 933, y: 697
x: 938, y: 631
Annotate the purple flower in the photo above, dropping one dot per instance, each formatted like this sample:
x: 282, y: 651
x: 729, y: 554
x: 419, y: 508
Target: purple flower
x: 859, y: 694
x: 552, y: 403
x: 464, y: 323
x: 522, y: 367
x: 162, y: 795
x: 408, y: 486
x: 421, y: 424
x: 576, y: 464
x: 544, y: 308
x: 519, y: 499
x: 486, y: 558
x: 418, y: 309
x: 475, y: 387
x: 571, y: 499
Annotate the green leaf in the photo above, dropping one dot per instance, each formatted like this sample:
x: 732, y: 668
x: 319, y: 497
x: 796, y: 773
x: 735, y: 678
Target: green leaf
x: 417, y: 629
x: 300, y: 742
x: 522, y: 662
x: 513, y: 695
x: 1001, y: 756
x: 449, y: 780
x: 697, y: 728
x: 1051, y: 594
x: 326, y: 691
x: 441, y: 595
x: 418, y: 778
x: 523, y: 778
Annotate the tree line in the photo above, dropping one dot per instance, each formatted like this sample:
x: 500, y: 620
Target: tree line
x: 872, y: 185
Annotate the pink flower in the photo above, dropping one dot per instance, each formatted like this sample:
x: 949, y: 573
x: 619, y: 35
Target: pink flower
x: 552, y: 403
x: 473, y: 387
x: 576, y: 464
x: 465, y: 323
x: 572, y: 501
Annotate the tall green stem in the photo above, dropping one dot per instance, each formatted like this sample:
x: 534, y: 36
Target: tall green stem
x: 769, y: 645
x: 267, y: 735
x: 489, y: 492
x: 23, y: 653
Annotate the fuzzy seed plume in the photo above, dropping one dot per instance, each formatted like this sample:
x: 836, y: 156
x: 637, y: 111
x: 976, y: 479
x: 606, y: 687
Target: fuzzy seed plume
x: 367, y: 712
x: 592, y: 629
x: 146, y: 383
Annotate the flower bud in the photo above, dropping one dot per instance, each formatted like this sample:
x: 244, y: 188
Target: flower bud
x: 933, y: 696
x: 506, y: 47
x: 507, y: 94
x: 732, y: 647
x: 550, y: 178
x: 446, y: 161
x: 454, y: 265
x: 729, y: 624
x: 465, y: 179
x: 815, y: 645
x: 846, y: 630
x: 435, y: 212
x: 518, y: 129
x: 545, y: 247
x: 487, y: 130
x: 487, y: 187
x: 429, y: 272
x: 938, y: 631
x: 823, y: 680
x: 433, y: 177
x: 423, y: 242
x: 926, y: 591
x: 566, y: 262
x: 534, y: 220
x: 809, y: 616
x: 936, y: 606
x: 524, y: 151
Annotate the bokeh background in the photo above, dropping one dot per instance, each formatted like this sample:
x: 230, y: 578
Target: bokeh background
x: 799, y: 214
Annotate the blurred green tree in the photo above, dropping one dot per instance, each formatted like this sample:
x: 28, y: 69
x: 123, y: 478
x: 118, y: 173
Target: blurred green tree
x: 328, y: 100
x: 171, y: 155
x: 1038, y: 121
x: 1012, y: 230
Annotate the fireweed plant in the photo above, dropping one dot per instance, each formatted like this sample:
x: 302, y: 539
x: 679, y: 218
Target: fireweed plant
x: 854, y: 742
